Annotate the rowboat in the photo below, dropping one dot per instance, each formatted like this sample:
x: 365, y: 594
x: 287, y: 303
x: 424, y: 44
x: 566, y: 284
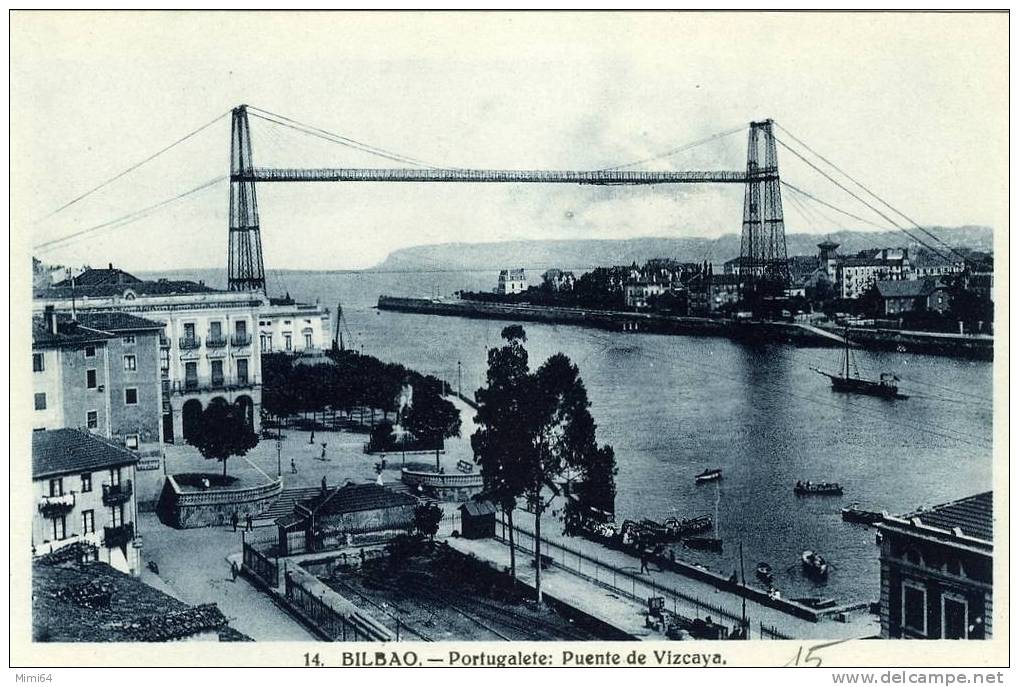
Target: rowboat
x: 709, y: 475
x: 814, y: 564
x: 809, y: 488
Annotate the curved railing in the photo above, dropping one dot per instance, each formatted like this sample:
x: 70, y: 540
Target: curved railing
x: 439, y: 481
x: 216, y: 497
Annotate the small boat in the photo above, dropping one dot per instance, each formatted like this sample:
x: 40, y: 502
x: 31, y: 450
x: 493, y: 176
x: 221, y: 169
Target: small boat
x: 809, y: 488
x: 886, y: 386
x: 703, y: 544
x: 814, y: 564
x: 764, y: 573
x: 854, y: 513
x: 709, y: 475
x: 684, y: 528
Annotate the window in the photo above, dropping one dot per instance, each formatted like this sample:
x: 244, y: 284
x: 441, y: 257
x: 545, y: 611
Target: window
x: 92, y: 419
x: 131, y: 396
x: 115, y: 476
x: 130, y: 363
x: 241, y: 327
x: 129, y: 339
x: 38, y: 364
x: 266, y: 341
x: 90, y: 379
x: 217, y: 373
x: 914, y: 607
x: 189, y: 331
x: 131, y: 441
x: 190, y: 375
x: 117, y: 515
x: 287, y: 342
x: 216, y: 330
x: 86, y: 482
x: 164, y: 360
x: 59, y: 528
x: 954, y: 612
x: 307, y: 340
x: 90, y: 351
x: 40, y: 401
x: 88, y: 521
x: 57, y: 486
x: 242, y: 370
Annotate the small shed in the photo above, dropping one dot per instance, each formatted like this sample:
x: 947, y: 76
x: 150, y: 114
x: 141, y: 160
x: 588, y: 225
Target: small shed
x: 477, y: 520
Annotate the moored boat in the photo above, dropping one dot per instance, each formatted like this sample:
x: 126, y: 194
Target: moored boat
x: 854, y: 513
x: 822, y: 488
x: 703, y: 544
x: 814, y: 564
x: 764, y: 573
x: 846, y: 381
x: 709, y: 475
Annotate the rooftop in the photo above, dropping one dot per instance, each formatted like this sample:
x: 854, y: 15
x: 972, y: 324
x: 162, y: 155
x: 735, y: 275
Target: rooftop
x: 907, y: 288
x: 93, y: 602
x: 93, y: 277
x: 68, y: 333
x: 66, y: 451
x: 352, y: 498
x: 113, y: 321
x: 161, y: 287
x: 974, y: 515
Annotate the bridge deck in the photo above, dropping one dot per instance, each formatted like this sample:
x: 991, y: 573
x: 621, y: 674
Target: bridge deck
x: 539, y: 176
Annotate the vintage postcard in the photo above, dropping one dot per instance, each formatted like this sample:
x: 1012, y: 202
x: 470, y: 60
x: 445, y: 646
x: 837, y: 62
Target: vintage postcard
x: 510, y: 339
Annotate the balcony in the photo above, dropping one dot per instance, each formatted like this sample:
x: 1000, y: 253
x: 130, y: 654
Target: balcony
x: 218, y: 383
x: 188, y: 343
x: 214, y: 384
x: 121, y: 535
x: 55, y: 506
x: 164, y: 341
x: 116, y: 494
x: 215, y: 341
x: 241, y: 339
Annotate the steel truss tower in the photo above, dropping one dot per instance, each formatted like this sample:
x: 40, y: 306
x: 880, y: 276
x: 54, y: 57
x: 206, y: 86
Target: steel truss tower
x: 764, y: 263
x: 245, y: 270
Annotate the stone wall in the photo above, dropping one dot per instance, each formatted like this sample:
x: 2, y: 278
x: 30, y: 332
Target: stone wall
x: 185, y: 509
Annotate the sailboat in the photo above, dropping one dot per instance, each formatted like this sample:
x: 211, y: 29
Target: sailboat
x: 851, y: 382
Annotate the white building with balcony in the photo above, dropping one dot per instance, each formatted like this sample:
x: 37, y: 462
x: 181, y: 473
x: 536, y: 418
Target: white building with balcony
x: 210, y: 346
x: 83, y: 492
x: 285, y: 326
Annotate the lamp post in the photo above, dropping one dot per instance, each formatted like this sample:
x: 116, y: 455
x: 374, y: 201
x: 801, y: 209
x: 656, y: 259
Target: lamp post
x: 279, y: 457
x: 459, y: 380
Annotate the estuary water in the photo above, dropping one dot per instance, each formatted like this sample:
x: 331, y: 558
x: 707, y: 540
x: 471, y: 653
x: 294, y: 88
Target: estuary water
x: 672, y: 406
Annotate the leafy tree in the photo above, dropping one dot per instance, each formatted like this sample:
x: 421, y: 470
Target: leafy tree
x: 382, y: 436
x: 427, y: 517
x: 223, y: 432
x: 433, y: 418
x: 499, y: 443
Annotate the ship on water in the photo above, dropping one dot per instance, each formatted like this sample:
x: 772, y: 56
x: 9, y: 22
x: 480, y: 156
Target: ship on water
x: 848, y: 380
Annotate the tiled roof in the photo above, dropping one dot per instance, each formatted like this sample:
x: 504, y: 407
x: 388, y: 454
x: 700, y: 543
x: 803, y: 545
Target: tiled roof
x: 142, y: 288
x: 357, y: 497
x: 114, y: 321
x: 66, y: 451
x: 906, y: 288
x: 476, y: 508
x: 95, y: 603
x: 68, y: 333
x: 973, y: 514
x: 92, y: 277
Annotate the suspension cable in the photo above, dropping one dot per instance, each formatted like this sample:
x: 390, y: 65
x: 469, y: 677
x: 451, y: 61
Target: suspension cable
x: 132, y: 168
x: 680, y: 149
x: 125, y: 219
x: 872, y: 194
x: 829, y: 205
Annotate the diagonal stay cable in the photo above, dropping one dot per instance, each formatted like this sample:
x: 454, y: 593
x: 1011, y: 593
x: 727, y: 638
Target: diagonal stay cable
x: 829, y: 205
x: 871, y: 193
x: 125, y: 219
x: 133, y: 167
x: 680, y: 149
x: 335, y: 138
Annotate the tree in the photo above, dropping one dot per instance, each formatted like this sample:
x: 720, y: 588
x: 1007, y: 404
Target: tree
x: 433, y: 418
x: 223, y: 432
x: 382, y: 436
x: 427, y: 517
x: 498, y: 443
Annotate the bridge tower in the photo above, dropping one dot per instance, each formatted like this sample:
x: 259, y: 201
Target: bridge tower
x: 245, y: 270
x: 764, y: 263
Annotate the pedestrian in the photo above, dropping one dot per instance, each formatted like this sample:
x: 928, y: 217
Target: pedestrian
x: 249, y: 525
x: 293, y: 467
x: 233, y: 570
x: 643, y: 562
x: 233, y: 520
x: 324, y: 487
x: 311, y: 439
x: 323, y: 450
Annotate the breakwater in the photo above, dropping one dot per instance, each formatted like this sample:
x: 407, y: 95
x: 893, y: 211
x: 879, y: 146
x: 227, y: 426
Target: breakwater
x: 978, y: 347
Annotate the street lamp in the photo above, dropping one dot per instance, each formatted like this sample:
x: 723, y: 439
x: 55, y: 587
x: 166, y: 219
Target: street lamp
x: 279, y: 457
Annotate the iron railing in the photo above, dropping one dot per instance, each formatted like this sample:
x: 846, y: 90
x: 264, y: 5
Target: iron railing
x: 121, y: 535
x: 115, y: 494
x: 241, y: 339
x: 215, y: 341
x: 188, y: 343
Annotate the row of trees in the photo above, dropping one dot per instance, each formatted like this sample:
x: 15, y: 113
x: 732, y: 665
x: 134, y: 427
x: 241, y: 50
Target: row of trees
x: 352, y: 380
x: 534, y: 429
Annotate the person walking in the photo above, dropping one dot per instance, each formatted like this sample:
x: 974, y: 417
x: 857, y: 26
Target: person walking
x: 249, y: 525
x: 323, y: 450
x: 233, y: 570
x: 311, y: 439
x: 643, y: 562
x: 293, y: 467
x: 233, y: 520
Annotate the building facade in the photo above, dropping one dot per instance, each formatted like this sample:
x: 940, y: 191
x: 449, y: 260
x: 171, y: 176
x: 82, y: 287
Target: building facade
x: 640, y: 294
x: 83, y: 493
x: 937, y: 572
x: 209, y: 348
x: 926, y: 295
x: 289, y: 327
x: 511, y: 281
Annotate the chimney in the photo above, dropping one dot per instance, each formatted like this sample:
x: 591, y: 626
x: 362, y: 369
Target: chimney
x: 111, y: 267
x: 51, y: 319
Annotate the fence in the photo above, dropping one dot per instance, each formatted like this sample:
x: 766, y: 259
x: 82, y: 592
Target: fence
x: 624, y: 582
x: 261, y: 566
x: 330, y: 622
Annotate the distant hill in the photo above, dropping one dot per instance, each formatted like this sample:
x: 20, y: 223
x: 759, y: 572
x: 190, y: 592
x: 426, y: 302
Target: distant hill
x: 582, y: 253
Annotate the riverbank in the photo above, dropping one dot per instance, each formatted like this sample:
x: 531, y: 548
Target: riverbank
x: 979, y: 347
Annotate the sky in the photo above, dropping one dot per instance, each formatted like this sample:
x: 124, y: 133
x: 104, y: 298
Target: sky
x: 913, y: 105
